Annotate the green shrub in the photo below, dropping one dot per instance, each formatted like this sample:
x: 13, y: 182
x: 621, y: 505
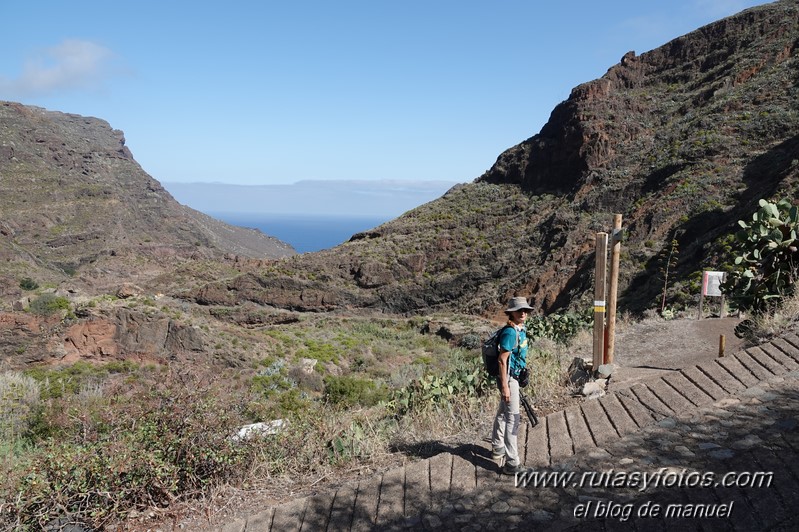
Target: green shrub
x: 767, y: 266
x: 291, y: 403
x: 558, y: 327
x: 768, y: 263
x: 164, y: 446
x: 466, y: 379
x: 350, y: 391
x: 349, y: 444
x: 272, y: 379
x: 28, y: 284
x: 470, y: 341
x: 69, y: 380
x: 306, y: 381
x: 47, y: 304
x: 321, y: 351
x: 69, y: 269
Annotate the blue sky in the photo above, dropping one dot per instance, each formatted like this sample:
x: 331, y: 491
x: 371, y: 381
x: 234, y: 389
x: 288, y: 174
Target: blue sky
x: 264, y: 92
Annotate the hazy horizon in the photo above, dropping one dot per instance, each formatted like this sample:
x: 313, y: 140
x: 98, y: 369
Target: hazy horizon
x: 351, y: 198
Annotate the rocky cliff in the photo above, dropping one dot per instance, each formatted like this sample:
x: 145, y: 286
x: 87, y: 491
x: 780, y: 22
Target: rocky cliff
x: 76, y: 206
x: 77, y: 213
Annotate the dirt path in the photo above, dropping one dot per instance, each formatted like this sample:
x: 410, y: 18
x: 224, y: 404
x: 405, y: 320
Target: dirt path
x: 652, y: 348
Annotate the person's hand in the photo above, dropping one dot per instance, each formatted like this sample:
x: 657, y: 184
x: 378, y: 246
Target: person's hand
x: 506, y: 394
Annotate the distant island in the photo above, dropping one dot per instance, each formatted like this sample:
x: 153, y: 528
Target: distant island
x: 379, y: 198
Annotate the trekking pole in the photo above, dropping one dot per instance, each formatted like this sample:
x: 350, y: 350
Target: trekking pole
x: 529, y: 409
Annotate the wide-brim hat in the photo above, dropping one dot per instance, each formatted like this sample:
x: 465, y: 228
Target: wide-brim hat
x: 518, y: 303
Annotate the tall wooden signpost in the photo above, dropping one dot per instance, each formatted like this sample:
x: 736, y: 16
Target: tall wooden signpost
x: 599, y: 299
x: 605, y: 300
x: 613, y: 288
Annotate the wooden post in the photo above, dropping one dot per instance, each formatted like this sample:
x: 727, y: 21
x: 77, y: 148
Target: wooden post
x: 701, y: 302
x: 599, y: 299
x: 722, y: 311
x: 702, y: 294
x: 722, y: 340
x: 613, y: 288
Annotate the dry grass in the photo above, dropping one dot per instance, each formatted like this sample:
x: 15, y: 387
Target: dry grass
x: 331, y: 446
x: 324, y: 444
x: 19, y: 395
x: 776, y: 321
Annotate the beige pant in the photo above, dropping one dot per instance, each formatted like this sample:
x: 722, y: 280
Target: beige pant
x: 506, y: 425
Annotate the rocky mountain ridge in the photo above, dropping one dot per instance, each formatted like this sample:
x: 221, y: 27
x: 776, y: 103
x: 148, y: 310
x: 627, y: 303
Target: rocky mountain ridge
x: 681, y: 140
x: 77, y: 206
x: 83, y: 221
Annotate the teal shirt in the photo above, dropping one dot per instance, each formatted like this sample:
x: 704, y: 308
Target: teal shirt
x: 507, y: 342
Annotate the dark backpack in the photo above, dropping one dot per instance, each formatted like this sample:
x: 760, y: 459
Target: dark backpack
x: 491, y: 352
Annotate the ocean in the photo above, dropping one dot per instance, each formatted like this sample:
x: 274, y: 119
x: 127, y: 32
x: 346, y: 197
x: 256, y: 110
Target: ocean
x: 305, y: 233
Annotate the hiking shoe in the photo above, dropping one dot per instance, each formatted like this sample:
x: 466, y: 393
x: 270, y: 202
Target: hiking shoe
x: 508, y: 469
x: 498, y: 454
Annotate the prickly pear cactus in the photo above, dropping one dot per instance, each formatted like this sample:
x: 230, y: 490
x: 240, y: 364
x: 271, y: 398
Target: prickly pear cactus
x: 767, y: 266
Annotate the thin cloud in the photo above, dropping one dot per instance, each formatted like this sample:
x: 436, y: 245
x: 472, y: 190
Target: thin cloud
x: 71, y: 65
x: 663, y: 25
x: 720, y: 8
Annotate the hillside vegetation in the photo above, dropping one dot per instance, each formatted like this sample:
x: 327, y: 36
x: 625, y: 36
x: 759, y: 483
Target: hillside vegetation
x: 682, y: 141
x: 137, y: 336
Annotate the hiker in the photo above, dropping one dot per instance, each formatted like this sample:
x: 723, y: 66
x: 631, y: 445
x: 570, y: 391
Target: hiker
x: 512, y: 358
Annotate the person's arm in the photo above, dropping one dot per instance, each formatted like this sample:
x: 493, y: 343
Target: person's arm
x: 504, y: 388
